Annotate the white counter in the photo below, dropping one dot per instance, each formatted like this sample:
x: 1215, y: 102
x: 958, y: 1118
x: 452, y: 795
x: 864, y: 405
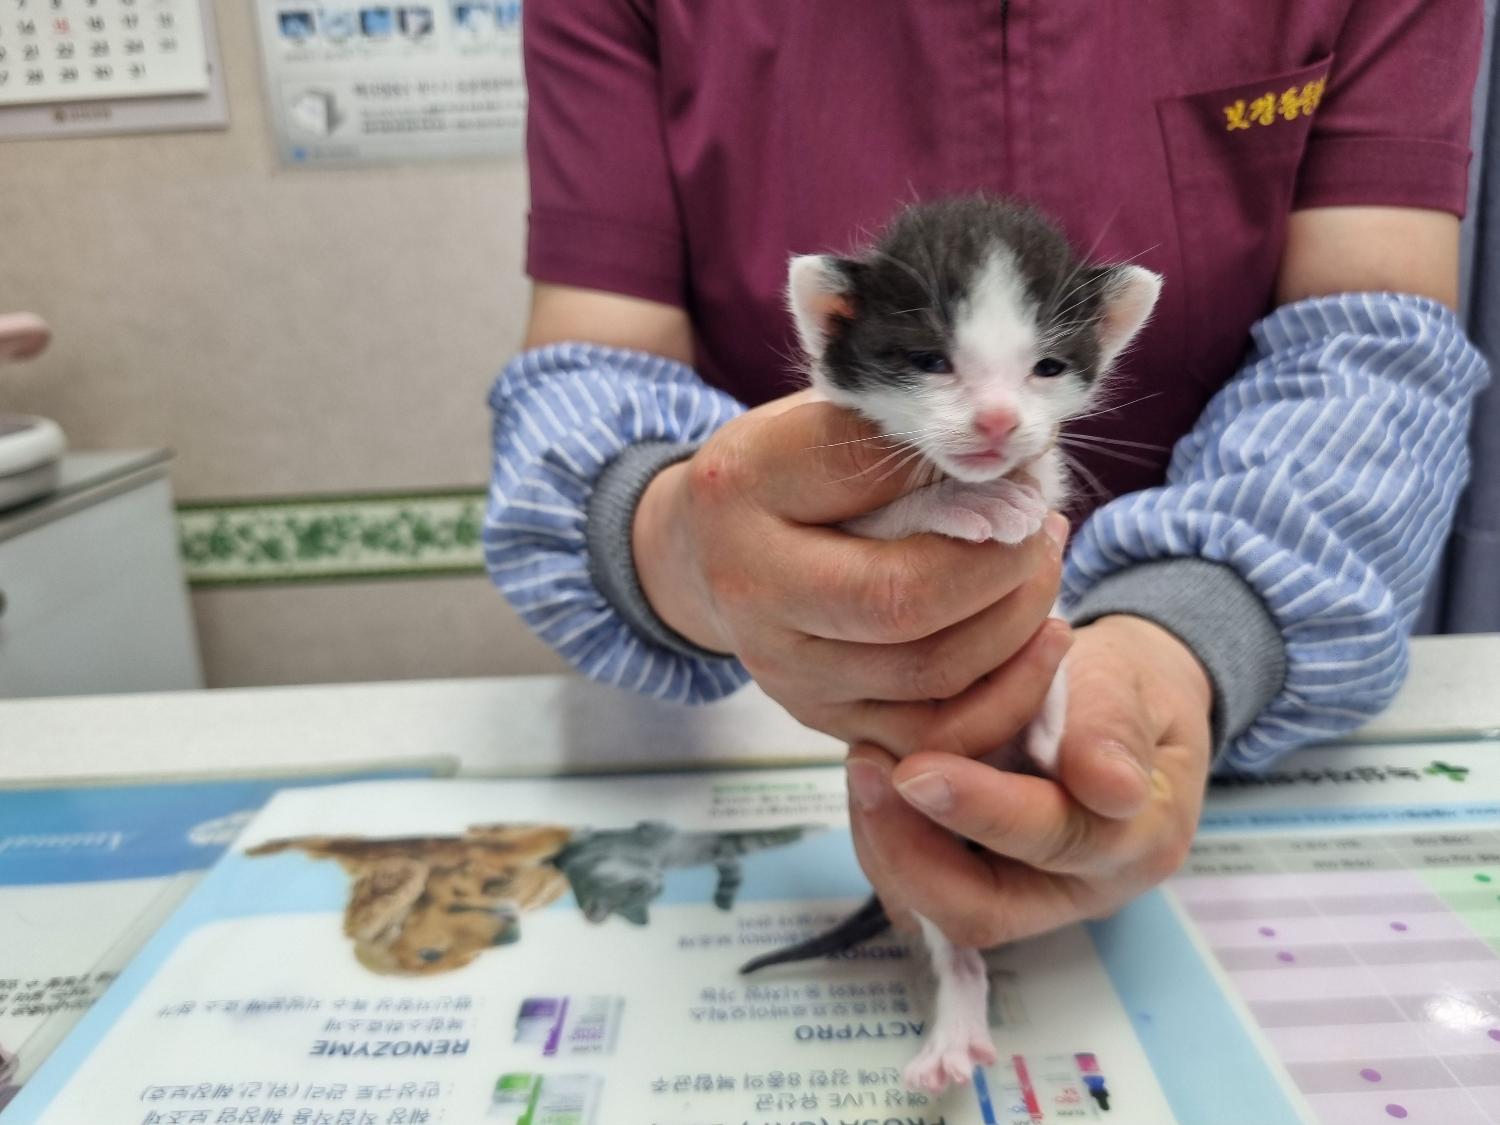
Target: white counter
x: 536, y: 724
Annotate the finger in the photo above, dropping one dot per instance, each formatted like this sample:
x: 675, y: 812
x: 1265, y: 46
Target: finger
x: 1029, y: 819
x: 981, y: 720
x: 941, y: 666
x: 897, y: 728
x: 897, y: 591
x: 22, y: 335
x: 826, y: 583
x: 891, y: 901
x: 975, y: 900
x: 994, y: 710
x: 1105, y: 758
x: 819, y: 463
x: 895, y: 839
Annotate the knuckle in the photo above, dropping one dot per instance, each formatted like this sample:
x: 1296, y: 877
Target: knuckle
x: 933, y: 673
x: 1100, y: 910
x: 734, y: 589
x: 767, y: 670
x: 813, y: 715
x: 982, y: 927
x: 716, y: 471
x: 1045, y: 577
x: 893, y: 601
x: 1167, y: 860
x: 1052, y: 566
x: 1074, y: 846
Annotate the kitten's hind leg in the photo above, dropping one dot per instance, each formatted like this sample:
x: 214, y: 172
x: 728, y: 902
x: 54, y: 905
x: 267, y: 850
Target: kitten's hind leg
x: 958, y: 1031
x: 1044, y: 733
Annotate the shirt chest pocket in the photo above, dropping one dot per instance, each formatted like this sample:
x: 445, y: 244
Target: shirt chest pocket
x: 1232, y: 159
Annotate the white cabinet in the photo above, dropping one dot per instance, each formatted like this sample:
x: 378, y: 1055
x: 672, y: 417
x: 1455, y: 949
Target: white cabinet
x: 92, y: 588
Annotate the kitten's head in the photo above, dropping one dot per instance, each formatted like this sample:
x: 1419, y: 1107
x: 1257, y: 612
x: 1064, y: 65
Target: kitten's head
x: 969, y: 330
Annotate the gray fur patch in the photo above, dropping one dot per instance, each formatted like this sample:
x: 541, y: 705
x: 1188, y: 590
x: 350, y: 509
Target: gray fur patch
x: 908, y: 288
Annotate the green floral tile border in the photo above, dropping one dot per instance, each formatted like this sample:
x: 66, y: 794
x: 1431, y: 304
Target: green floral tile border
x: 330, y: 538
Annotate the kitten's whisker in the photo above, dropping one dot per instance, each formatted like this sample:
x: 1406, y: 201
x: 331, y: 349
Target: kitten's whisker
x: 1100, y: 492
x: 1102, y: 452
x: 1084, y: 263
x: 884, y: 460
x: 1112, y: 409
x: 917, y: 471
x: 1121, y: 441
x: 914, y: 273
x: 874, y: 437
x: 1112, y: 265
x: 898, y: 466
x: 798, y: 363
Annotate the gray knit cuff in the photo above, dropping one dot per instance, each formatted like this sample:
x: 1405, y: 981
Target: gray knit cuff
x: 608, y: 522
x: 1216, y: 613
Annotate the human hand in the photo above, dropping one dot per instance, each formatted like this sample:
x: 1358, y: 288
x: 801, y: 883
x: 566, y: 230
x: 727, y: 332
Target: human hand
x: 867, y: 640
x: 1119, y: 819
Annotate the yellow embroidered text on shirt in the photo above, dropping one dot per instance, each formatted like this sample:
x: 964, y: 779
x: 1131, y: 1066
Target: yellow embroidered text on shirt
x: 1271, y: 107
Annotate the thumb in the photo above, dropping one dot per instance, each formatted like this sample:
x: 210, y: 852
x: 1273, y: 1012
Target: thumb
x: 818, y: 463
x: 1105, y: 757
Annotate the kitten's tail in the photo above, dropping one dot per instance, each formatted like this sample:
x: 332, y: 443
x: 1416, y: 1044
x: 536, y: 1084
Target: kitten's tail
x: 869, y: 920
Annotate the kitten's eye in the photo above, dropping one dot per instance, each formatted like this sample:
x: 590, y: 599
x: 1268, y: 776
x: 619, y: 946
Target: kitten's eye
x: 1049, y: 368
x: 933, y: 363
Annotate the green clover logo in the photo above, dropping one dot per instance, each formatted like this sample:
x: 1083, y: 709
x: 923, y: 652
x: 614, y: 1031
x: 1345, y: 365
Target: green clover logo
x: 1452, y: 773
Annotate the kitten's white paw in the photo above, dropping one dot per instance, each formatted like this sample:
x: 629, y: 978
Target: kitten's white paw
x: 1012, y: 510
x: 1002, y: 510
x: 960, y: 521
x: 949, y: 1057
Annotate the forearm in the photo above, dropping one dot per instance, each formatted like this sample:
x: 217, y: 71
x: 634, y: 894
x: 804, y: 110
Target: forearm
x: 1324, y: 477
x: 578, y: 431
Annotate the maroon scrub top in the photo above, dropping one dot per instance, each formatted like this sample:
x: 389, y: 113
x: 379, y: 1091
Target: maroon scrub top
x: 682, y: 150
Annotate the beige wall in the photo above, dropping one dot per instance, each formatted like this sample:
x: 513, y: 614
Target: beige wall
x: 284, y: 332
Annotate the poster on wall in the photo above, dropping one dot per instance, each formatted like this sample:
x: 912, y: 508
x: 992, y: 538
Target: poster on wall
x: 369, y: 83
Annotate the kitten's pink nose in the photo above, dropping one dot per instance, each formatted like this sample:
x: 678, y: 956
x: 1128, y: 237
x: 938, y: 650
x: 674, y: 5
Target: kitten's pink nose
x: 997, y: 424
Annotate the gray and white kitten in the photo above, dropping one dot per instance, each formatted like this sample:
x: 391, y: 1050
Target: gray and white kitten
x: 970, y: 332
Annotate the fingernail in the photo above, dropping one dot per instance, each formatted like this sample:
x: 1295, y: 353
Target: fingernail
x: 930, y: 792
x: 1056, y: 527
x: 867, y: 784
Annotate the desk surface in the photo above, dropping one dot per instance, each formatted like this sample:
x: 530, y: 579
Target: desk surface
x: 538, y: 724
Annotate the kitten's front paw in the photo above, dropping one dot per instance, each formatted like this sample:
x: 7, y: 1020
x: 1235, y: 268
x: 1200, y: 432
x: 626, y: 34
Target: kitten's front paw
x: 960, y: 519
x: 1012, y: 512
x: 1001, y: 510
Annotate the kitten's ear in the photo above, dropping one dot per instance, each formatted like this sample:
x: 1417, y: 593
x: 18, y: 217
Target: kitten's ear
x: 1129, y: 295
x: 819, y: 292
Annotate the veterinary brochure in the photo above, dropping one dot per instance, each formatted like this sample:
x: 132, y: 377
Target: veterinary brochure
x: 90, y: 871
x: 566, y: 952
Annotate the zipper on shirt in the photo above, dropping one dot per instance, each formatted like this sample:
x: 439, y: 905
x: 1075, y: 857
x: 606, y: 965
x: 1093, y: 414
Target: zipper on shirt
x: 1005, y: 31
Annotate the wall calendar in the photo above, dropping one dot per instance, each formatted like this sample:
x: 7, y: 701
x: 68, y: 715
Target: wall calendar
x: 86, y: 50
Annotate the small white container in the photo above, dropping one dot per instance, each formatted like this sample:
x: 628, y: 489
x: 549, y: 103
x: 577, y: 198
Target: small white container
x: 31, y: 450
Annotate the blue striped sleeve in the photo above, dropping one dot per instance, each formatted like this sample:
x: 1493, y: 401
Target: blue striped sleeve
x: 562, y: 413
x: 1326, y: 474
